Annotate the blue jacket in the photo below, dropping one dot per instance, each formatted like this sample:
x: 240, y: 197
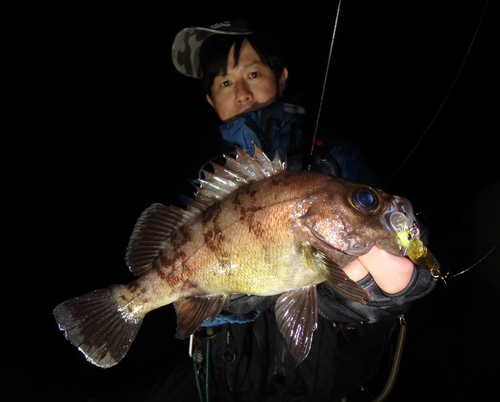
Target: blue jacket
x: 279, y: 127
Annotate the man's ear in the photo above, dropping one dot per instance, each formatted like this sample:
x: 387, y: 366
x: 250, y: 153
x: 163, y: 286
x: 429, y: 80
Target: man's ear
x: 282, y: 81
x: 210, y: 101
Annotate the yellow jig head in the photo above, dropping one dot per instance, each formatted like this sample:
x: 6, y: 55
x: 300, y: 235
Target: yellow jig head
x: 412, y: 246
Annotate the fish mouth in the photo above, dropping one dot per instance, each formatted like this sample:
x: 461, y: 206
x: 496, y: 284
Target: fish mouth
x: 402, y: 207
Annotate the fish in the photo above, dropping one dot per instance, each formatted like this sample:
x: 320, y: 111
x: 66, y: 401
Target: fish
x: 253, y: 228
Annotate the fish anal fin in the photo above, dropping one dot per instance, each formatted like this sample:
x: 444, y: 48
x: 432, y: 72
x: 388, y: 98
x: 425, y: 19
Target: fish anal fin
x: 335, y: 276
x: 193, y: 311
x: 297, y: 316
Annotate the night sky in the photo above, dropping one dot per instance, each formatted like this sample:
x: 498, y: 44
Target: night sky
x: 100, y: 125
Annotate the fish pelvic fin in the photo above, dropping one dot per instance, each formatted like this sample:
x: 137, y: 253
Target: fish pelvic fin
x: 96, y: 325
x: 335, y: 276
x: 297, y: 316
x: 193, y: 311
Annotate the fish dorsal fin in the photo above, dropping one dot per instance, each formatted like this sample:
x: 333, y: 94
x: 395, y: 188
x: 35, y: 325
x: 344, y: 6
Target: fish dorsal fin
x: 235, y: 173
x: 193, y: 311
x: 158, y: 224
x: 152, y: 233
x: 297, y: 316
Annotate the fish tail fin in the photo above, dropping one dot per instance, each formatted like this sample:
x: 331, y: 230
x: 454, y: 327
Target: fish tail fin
x: 97, y: 326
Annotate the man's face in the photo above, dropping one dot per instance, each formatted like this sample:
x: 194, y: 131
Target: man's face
x: 248, y: 86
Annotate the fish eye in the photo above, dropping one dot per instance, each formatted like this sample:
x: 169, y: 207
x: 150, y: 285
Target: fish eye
x: 365, y: 200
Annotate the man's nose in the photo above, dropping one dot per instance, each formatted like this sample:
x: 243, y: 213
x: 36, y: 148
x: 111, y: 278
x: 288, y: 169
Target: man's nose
x: 243, y: 93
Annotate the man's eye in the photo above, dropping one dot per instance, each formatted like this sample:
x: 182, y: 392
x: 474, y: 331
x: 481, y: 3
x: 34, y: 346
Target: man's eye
x: 225, y: 83
x: 254, y: 74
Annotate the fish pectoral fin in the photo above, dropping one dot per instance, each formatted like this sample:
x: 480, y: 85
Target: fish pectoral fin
x: 297, y: 316
x: 337, y: 278
x: 193, y: 311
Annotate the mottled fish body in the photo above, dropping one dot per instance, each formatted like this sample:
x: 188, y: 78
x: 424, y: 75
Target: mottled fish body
x: 254, y: 228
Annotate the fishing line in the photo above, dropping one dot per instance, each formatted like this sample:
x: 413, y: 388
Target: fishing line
x: 472, y: 266
x: 445, y: 98
x: 324, y: 82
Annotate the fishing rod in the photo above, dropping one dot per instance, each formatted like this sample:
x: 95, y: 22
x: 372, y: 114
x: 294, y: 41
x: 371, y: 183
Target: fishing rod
x: 313, y: 145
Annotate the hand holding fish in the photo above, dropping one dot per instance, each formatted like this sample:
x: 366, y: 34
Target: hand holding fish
x: 391, y: 273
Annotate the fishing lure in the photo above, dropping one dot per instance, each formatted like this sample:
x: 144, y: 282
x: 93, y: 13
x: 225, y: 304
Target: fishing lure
x: 412, y: 246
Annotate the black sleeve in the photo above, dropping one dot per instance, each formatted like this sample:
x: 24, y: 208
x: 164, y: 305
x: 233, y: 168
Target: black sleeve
x: 381, y: 307
x: 244, y: 304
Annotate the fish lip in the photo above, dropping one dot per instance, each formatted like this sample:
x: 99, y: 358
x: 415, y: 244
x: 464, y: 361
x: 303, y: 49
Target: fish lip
x: 403, y: 205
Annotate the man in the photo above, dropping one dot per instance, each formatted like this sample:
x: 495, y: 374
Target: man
x: 244, y: 80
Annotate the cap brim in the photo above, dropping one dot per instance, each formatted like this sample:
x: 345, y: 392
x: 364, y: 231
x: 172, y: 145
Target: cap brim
x: 187, y: 44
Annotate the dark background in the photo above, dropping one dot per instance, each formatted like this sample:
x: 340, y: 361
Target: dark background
x: 99, y: 125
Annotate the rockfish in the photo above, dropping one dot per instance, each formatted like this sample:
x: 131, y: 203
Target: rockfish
x: 254, y: 228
